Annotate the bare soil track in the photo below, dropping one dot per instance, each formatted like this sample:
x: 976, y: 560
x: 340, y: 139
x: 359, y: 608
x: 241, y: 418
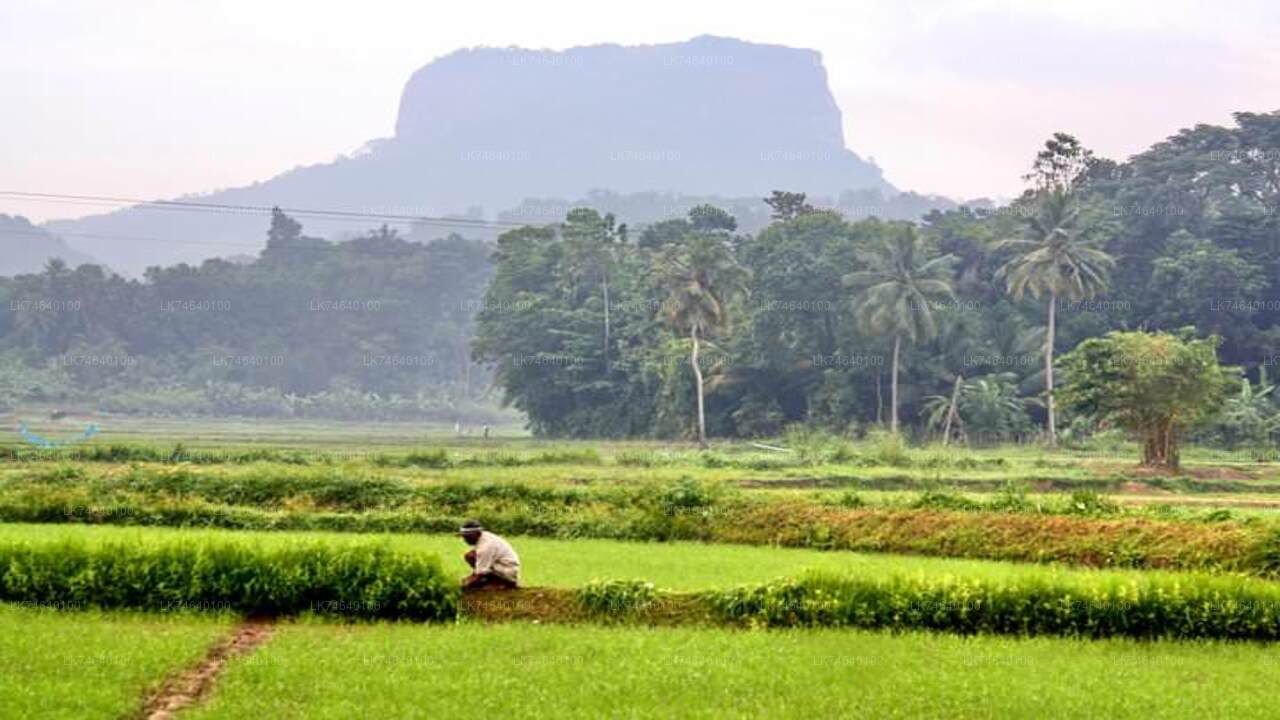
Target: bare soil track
x: 188, y: 686
x: 558, y: 605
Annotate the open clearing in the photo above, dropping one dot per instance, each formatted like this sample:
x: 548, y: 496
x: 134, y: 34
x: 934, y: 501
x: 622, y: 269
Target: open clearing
x: 518, y: 670
x: 88, y: 663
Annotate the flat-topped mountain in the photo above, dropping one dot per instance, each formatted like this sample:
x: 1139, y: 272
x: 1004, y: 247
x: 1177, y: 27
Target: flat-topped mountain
x: 490, y: 127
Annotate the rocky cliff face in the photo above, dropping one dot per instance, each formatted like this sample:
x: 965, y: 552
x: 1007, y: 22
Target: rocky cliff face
x: 490, y: 127
x: 708, y: 116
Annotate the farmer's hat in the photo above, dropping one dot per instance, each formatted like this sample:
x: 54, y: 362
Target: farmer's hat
x: 470, y: 526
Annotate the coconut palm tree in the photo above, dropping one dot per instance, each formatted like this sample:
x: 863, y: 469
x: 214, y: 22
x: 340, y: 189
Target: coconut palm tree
x: 897, y: 293
x: 1056, y: 258
x: 700, y: 277
x: 988, y: 407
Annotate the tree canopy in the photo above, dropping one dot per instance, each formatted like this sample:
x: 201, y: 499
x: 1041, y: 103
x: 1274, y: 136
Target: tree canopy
x: 1155, y: 385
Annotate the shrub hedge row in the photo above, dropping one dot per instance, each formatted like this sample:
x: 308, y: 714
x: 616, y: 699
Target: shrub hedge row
x: 1218, y: 608
x: 363, y: 580
x: 368, y: 580
x: 1105, y: 541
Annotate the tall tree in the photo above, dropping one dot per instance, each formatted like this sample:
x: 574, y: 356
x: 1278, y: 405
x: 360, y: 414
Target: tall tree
x: 787, y: 205
x: 701, y: 277
x: 591, y: 241
x: 1056, y: 257
x: 897, y: 292
x: 1065, y: 165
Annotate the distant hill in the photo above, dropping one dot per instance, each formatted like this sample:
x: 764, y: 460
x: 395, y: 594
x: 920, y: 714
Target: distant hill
x: 25, y: 248
x: 488, y: 128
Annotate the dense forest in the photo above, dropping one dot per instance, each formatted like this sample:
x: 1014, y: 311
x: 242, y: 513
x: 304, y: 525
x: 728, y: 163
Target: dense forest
x: 844, y: 324
x: 376, y: 327
x: 690, y: 326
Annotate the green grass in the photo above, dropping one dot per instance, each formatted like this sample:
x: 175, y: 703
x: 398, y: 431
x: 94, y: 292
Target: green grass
x: 516, y: 670
x: 56, y: 664
x: 571, y: 563
x: 364, y: 578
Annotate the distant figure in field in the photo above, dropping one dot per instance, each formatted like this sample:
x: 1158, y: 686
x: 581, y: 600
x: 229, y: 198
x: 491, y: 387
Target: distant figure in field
x: 457, y: 428
x: 57, y: 414
x: 494, y: 563
x: 486, y: 432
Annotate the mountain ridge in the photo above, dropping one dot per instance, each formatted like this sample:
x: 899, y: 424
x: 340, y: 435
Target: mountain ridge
x: 480, y: 130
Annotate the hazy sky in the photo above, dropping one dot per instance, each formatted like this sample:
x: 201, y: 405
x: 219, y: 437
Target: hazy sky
x: 154, y: 99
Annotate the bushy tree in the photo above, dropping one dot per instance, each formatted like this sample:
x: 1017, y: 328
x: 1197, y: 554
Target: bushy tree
x: 1155, y: 385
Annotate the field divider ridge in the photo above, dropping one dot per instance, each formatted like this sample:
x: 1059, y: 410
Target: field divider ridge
x: 188, y: 687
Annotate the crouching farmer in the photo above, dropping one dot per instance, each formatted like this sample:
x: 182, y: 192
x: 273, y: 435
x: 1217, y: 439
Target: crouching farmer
x: 494, y: 563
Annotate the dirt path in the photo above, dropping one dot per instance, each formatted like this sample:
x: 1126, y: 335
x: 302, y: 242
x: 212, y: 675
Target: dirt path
x: 188, y: 686
x: 559, y: 605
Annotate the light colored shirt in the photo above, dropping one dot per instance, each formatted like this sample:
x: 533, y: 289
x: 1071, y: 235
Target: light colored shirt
x: 495, y: 555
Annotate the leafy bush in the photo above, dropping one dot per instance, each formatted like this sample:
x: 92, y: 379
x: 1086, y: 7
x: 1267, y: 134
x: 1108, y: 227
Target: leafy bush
x: 359, y: 580
x: 613, y: 597
x: 689, y: 494
x: 850, y: 499
x: 814, y: 445
x: 889, y: 448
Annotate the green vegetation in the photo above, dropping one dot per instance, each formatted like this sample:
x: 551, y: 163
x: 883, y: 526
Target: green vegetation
x: 186, y: 573
x: 680, y: 583
x: 1058, y: 257
x: 278, y: 573
x: 571, y: 563
x: 749, y: 539
x: 434, y: 492
x: 701, y: 278
x: 375, y: 328
x: 1076, y: 605
x: 324, y: 672
x: 1178, y: 236
x: 1156, y: 385
x: 896, y: 290
x: 86, y: 664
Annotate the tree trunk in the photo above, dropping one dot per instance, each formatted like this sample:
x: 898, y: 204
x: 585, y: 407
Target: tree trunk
x: 893, y: 386
x: 605, y: 284
x: 697, y: 377
x: 951, y: 412
x: 879, y: 397
x: 1161, y: 446
x: 1048, y: 368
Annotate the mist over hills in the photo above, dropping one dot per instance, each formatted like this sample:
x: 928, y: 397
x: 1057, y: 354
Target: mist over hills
x: 25, y: 248
x: 480, y: 131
